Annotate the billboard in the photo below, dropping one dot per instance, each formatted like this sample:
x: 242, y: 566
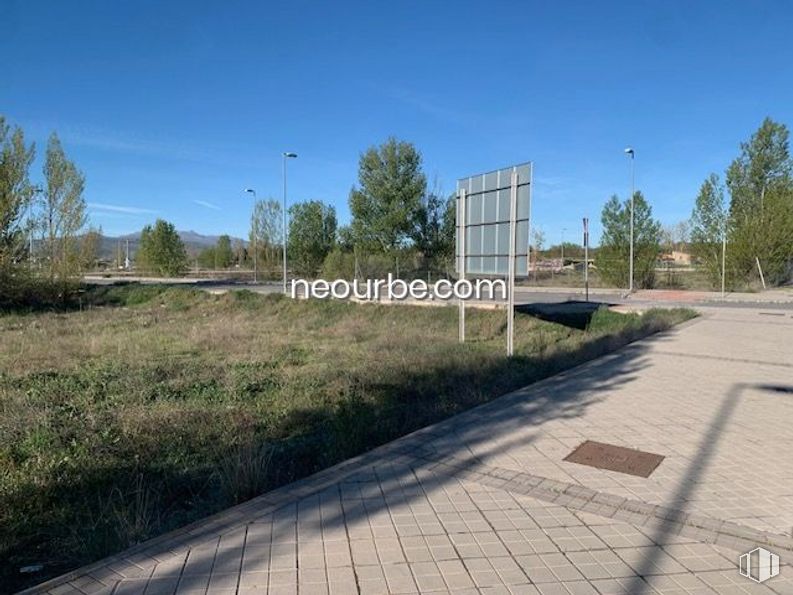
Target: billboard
x: 486, y: 221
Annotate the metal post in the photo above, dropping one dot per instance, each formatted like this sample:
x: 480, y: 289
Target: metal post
x: 759, y: 268
x: 461, y: 263
x: 286, y: 155
x: 284, y: 214
x: 633, y: 191
x: 586, y: 259
x: 563, y: 229
x: 255, y: 233
x: 255, y: 250
x: 723, y: 260
x: 528, y: 229
x: 513, y: 210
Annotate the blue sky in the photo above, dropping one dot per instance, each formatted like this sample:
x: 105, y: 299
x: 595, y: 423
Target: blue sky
x: 172, y: 108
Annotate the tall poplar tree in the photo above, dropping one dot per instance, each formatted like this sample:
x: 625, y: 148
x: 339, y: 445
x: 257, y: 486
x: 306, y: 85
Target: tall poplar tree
x: 708, y: 227
x: 760, y: 184
x: 64, y: 213
x: 16, y: 191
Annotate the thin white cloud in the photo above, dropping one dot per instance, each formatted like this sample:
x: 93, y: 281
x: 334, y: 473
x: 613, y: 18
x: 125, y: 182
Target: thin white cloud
x: 447, y: 111
x: 145, y: 145
x: 122, y: 209
x: 428, y: 106
x: 111, y: 143
x: 118, y: 141
x: 208, y: 205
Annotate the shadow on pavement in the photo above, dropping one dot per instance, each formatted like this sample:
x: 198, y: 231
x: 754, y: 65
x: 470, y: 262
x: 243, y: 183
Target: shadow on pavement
x: 398, y: 487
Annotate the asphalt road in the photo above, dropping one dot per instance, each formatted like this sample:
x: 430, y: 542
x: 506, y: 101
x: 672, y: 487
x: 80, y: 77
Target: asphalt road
x: 529, y: 295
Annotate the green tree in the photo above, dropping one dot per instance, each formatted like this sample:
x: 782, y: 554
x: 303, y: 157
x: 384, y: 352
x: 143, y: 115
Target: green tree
x: 223, y: 252
x: 342, y: 262
x: 537, y: 243
x: 385, y: 206
x: 434, y: 227
x: 446, y: 244
x: 761, y: 205
x: 64, y: 211
x: 339, y: 264
x: 16, y: 191
x: 16, y: 201
x: 346, y: 238
x: 240, y: 252
x: 89, y: 248
x: 613, y: 256
x: 312, y: 235
x: 776, y: 238
x: 206, y: 258
x: 161, y: 250
x: 538, y: 239
x: 708, y: 226
x: 266, y: 231
x: 764, y: 164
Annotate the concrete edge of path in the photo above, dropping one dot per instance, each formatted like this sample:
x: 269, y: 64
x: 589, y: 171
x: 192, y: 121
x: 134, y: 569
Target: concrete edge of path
x: 145, y: 554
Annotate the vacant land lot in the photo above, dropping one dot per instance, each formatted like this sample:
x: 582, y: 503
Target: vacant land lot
x: 150, y: 407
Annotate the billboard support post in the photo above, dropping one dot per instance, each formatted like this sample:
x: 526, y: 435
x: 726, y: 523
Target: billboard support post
x: 528, y: 224
x: 513, y: 208
x: 493, y: 223
x: 586, y: 258
x: 461, y: 263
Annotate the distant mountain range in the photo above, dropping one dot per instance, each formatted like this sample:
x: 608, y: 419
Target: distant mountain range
x: 193, y: 241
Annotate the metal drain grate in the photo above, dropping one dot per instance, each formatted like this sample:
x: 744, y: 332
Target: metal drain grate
x: 615, y: 458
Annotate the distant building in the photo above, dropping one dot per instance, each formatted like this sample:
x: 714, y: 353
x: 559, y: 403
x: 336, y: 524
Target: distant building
x: 676, y: 257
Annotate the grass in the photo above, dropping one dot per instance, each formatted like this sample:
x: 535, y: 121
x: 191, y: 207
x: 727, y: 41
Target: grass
x: 148, y: 407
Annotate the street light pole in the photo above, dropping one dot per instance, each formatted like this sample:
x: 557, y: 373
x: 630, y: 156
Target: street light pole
x: 255, y: 233
x: 563, y: 230
x: 31, y: 226
x: 723, y: 257
x: 629, y: 151
x: 586, y: 257
x: 286, y: 156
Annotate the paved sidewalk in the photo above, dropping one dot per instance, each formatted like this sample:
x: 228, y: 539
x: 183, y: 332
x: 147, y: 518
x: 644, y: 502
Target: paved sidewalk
x: 483, y: 502
x: 783, y: 295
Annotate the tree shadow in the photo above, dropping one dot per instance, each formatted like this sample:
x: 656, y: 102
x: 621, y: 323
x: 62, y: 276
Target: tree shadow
x: 392, y: 475
x: 572, y: 313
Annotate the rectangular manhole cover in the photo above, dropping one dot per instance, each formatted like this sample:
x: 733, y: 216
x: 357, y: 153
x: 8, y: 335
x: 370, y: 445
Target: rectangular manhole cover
x: 615, y: 458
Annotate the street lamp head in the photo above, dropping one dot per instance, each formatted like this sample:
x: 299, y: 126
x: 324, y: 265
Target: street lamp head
x: 250, y: 190
x: 629, y: 151
x: 292, y: 155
